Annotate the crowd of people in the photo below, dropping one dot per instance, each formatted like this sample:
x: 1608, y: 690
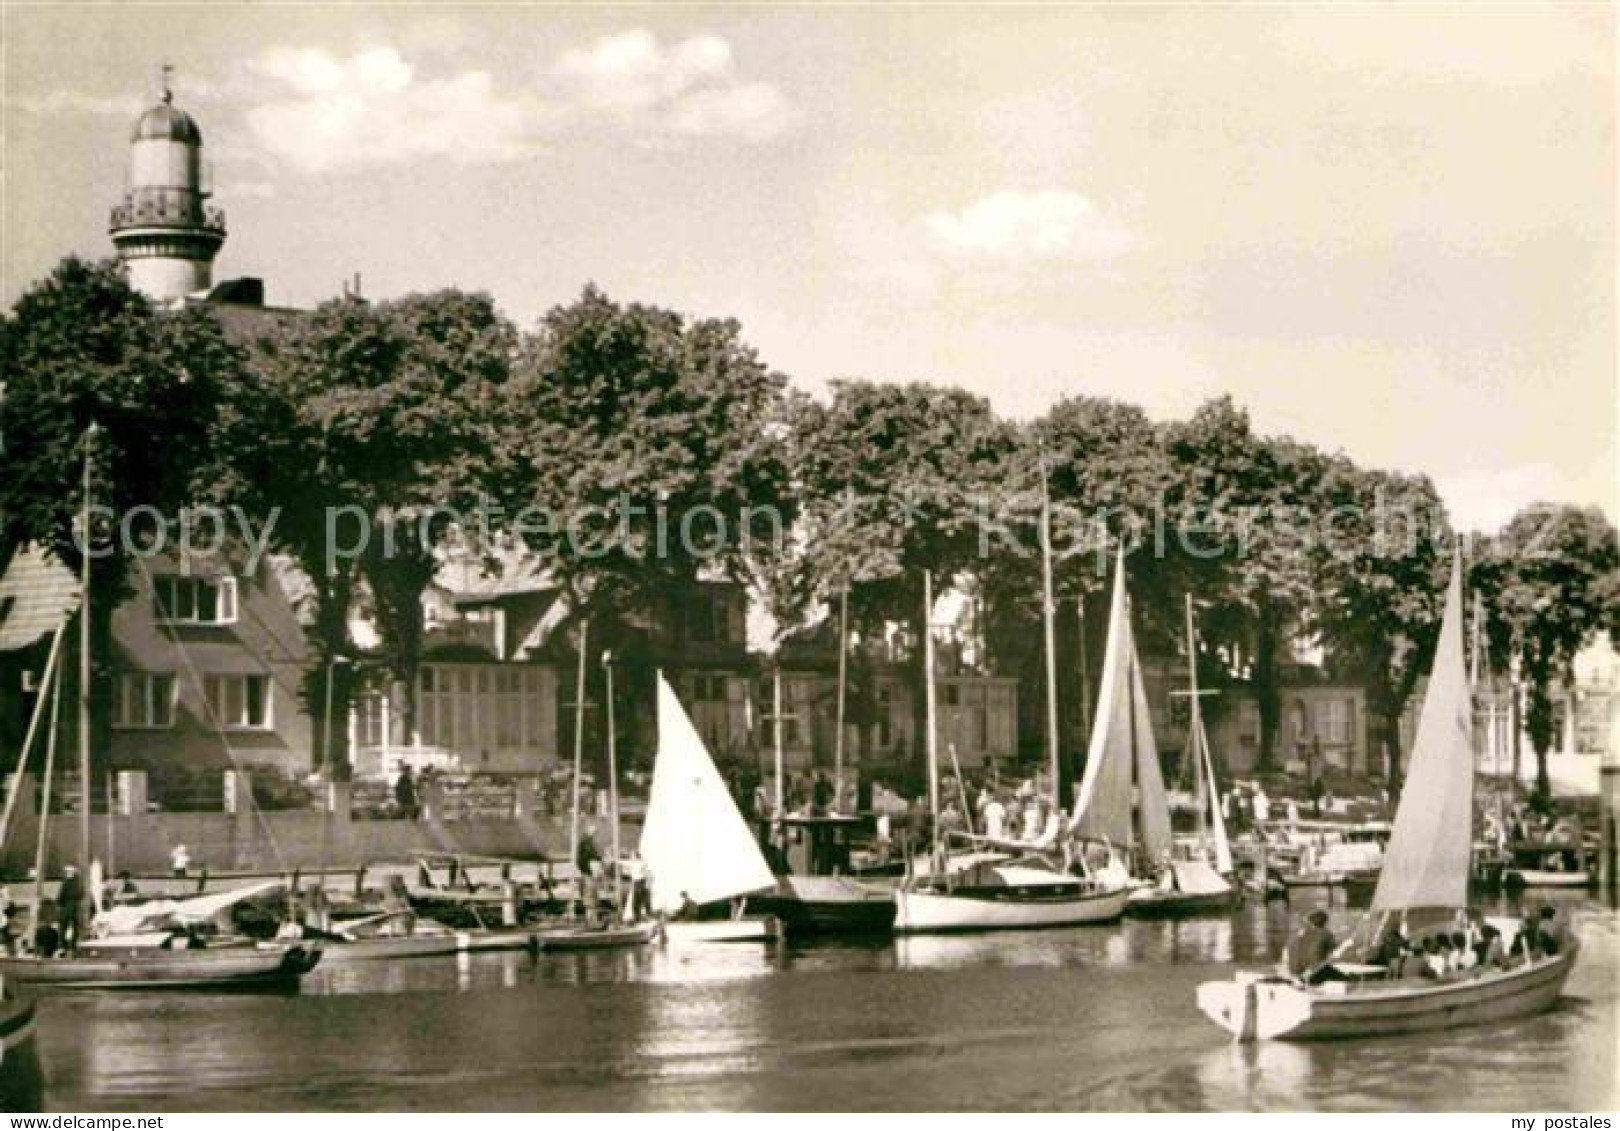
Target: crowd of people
x: 1468, y: 946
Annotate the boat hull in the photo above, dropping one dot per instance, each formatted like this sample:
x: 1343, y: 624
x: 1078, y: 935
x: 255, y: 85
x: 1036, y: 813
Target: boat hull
x: 1150, y: 903
x: 829, y: 905
x: 750, y: 928
x: 595, y: 938
x: 1261, y: 1009
x: 919, y: 910
x: 139, y: 968
x: 21, y: 1082
x: 1535, y: 878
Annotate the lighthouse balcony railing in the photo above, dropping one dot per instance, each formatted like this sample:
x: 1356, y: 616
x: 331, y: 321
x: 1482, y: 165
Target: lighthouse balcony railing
x: 168, y: 210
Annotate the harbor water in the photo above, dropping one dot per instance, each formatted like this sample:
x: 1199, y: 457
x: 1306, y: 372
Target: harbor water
x: 1091, y: 1018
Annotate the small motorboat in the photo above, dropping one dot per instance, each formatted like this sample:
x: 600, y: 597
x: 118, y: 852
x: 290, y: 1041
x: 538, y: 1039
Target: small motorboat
x: 605, y: 936
x: 1546, y: 866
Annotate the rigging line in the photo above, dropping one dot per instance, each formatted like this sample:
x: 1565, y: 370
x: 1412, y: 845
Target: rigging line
x: 33, y: 727
x: 45, y: 806
x: 213, y: 718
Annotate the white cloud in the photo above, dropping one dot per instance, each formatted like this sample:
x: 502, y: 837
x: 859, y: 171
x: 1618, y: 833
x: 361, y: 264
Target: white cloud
x: 74, y: 102
x: 689, y: 88
x: 1044, y: 225
x: 371, y: 108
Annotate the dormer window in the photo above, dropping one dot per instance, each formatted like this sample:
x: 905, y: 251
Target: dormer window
x: 194, y: 600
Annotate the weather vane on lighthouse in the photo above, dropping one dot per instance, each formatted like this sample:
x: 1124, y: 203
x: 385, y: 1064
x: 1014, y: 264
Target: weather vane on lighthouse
x: 166, y: 81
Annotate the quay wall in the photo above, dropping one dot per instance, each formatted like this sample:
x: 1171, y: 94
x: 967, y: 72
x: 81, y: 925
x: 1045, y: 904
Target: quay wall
x: 245, y: 838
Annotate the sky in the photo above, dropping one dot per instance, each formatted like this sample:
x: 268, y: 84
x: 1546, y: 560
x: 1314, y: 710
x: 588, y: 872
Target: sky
x: 1388, y: 230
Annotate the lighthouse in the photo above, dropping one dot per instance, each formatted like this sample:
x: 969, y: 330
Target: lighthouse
x: 164, y: 229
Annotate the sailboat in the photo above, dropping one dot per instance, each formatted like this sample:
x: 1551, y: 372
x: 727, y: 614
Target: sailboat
x: 1197, y: 877
x: 1423, y: 885
x: 991, y: 891
x: 696, y: 843
x: 171, y: 954
x: 613, y: 933
x: 1123, y: 807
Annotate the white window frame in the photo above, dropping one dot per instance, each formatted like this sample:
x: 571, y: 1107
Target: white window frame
x: 215, y: 687
x: 141, y: 689
x: 169, y: 608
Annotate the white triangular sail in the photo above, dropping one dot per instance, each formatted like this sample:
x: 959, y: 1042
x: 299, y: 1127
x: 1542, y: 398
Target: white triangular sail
x: 1121, y: 735
x: 1428, y: 859
x: 1217, y: 825
x: 695, y: 842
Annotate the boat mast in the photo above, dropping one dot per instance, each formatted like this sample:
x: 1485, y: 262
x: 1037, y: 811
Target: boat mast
x: 776, y: 734
x: 55, y: 691
x: 1195, y: 728
x: 928, y: 702
x: 1049, y: 631
x: 613, y: 778
x: 843, y: 673
x: 579, y: 739
x: 1130, y: 710
x: 84, y: 657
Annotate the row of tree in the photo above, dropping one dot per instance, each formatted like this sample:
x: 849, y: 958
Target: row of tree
x: 628, y: 421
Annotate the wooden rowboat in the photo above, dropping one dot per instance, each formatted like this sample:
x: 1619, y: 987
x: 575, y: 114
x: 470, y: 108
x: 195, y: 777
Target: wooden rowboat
x: 142, y: 968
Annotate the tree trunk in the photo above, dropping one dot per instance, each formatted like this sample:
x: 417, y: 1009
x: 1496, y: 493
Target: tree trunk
x: 329, y: 641
x: 397, y: 582
x: 1266, y: 696
x: 1540, y: 722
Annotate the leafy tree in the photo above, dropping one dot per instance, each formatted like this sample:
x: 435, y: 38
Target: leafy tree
x: 81, y: 348
x: 1244, y: 502
x: 1548, y: 589
x: 898, y: 477
x: 369, y: 430
x: 1379, y: 581
x: 648, y: 449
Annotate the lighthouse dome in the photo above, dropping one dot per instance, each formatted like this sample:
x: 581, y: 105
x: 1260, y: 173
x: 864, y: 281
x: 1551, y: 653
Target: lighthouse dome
x: 164, y: 122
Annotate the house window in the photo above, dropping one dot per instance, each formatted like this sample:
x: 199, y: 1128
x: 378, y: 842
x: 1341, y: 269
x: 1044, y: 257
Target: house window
x: 1333, y: 721
x: 194, y: 600
x: 709, y: 688
x: 143, y: 701
x: 1249, y: 723
x: 240, y: 702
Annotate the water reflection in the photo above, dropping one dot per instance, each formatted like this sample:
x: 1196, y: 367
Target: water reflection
x: 1097, y: 1017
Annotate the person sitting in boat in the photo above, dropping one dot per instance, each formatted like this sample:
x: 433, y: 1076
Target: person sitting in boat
x: 124, y: 890
x: 47, y: 939
x: 951, y: 821
x: 1310, y: 948
x: 10, y: 922
x: 1492, y: 955
x: 1552, y: 935
x: 1463, y: 956
x: 688, y: 910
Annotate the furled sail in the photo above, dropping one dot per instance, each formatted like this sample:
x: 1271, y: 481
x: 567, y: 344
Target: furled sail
x: 695, y: 842
x: 1427, y: 862
x: 1123, y: 735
